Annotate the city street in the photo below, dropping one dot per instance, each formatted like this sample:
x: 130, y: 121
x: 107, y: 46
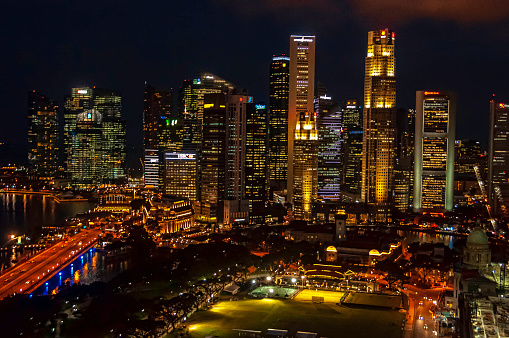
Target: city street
x: 25, y: 277
x: 420, y: 321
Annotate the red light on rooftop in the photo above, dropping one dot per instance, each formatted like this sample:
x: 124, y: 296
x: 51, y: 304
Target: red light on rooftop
x: 241, y: 99
x: 393, y: 34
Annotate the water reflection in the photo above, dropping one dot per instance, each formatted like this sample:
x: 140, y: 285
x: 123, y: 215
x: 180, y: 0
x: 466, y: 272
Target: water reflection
x: 424, y: 237
x: 88, y: 268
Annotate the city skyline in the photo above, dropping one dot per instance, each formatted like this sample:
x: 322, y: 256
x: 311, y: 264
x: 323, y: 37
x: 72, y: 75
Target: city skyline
x: 456, y: 42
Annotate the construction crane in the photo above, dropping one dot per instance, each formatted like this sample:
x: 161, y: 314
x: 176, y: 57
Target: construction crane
x: 485, y: 197
x: 501, y: 199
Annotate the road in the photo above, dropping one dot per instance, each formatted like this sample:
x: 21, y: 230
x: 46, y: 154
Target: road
x: 420, y: 308
x: 27, y: 276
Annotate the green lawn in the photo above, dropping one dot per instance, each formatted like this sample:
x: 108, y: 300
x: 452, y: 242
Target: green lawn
x: 327, y: 319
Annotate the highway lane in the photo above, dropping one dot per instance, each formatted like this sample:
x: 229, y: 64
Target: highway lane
x: 28, y: 275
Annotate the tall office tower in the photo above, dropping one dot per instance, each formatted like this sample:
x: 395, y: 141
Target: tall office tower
x: 379, y: 123
x: 42, y: 135
x: 403, y: 169
x: 468, y: 155
x: 213, y: 158
x: 352, y: 150
x: 180, y: 175
x: 329, y: 145
x: 498, y: 156
x: 190, y: 106
x: 156, y: 115
x: 256, y: 161
x: 435, y: 129
x: 109, y: 104
x: 80, y: 100
x: 223, y: 150
x: 301, y: 93
x: 86, y: 157
x: 278, y: 121
x: 305, y: 174
x: 151, y: 166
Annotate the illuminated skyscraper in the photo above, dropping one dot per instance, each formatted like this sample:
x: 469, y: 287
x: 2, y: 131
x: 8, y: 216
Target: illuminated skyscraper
x: 435, y: 129
x: 106, y: 106
x: 80, y: 100
x: 42, y: 135
x: 86, y: 161
x: 180, y: 175
x: 305, y: 163
x: 301, y: 93
x: 379, y: 123
x: 256, y: 161
x: 190, y: 106
x: 223, y: 177
x: 278, y: 121
x: 329, y: 145
x: 156, y: 116
x: 352, y: 148
x: 498, y: 156
x: 109, y: 104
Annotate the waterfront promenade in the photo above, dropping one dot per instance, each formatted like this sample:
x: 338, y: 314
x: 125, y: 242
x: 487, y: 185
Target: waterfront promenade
x: 27, y: 276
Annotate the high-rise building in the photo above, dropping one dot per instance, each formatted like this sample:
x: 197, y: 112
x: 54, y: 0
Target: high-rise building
x: 180, y: 175
x: 105, y: 106
x: 352, y: 149
x: 498, y: 156
x: 379, y: 124
x: 328, y: 122
x: 301, y: 93
x: 435, y: 129
x: 109, y: 104
x: 256, y: 161
x: 157, y: 117
x: 80, y: 100
x: 468, y: 156
x: 213, y: 158
x: 151, y: 169
x: 190, y: 106
x: 223, y: 161
x: 42, y: 135
x: 86, y: 160
x: 278, y: 121
x: 305, y: 174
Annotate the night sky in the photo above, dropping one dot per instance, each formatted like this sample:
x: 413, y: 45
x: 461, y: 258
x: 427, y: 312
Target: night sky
x: 54, y: 45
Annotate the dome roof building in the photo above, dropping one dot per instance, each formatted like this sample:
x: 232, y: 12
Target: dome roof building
x: 477, y: 253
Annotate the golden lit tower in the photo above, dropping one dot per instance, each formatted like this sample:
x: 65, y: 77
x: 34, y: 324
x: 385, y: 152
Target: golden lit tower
x: 305, y: 162
x: 379, y: 124
x: 301, y: 92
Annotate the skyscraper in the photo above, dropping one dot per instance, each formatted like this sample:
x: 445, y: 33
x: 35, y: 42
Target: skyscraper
x: 104, y: 106
x: 80, y: 100
x: 301, y: 93
x: 156, y: 115
x: 328, y: 122
x: 498, y: 156
x: 180, y: 175
x: 109, y: 104
x: 256, y: 161
x: 223, y: 180
x: 305, y: 159
x: 352, y: 149
x: 42, y: 135
x: 379, y: 123
x: 435, y: 129
x: 86, y: 153
x: 278, y: 121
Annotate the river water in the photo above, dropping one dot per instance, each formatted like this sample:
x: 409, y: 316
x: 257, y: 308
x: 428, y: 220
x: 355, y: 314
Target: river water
x: 26, y: 214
